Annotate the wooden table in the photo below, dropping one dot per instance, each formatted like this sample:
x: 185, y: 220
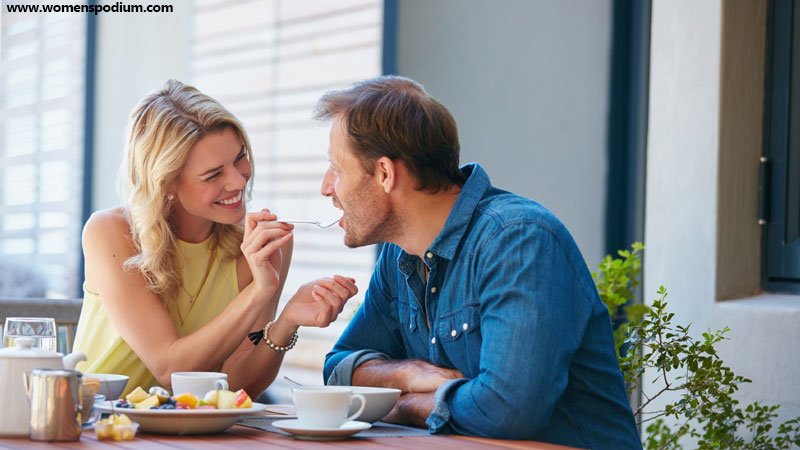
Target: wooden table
x: 240, y: 437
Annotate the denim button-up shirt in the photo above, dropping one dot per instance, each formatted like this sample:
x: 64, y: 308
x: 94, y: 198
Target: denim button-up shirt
x: 512, y: 306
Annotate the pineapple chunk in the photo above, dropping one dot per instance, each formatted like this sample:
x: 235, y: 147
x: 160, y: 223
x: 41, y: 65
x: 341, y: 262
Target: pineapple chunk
x: 116, y: 427
x: 136, y: 396
x: 122, y: 419
x: 148, y: 402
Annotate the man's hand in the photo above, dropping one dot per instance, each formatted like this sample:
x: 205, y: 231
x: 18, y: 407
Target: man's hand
x: 412, y: 409
x: 412, y: 375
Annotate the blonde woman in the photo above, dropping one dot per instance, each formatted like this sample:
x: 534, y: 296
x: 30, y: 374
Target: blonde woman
x: 180, y: 274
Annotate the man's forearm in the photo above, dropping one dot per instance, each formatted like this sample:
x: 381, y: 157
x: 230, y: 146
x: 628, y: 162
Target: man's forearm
x: 380, y: 373
x: 411, y: 375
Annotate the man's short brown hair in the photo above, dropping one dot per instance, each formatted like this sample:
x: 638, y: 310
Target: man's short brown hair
x: 393, y: 116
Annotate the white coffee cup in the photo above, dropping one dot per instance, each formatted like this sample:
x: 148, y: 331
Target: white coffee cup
x: 325, y: 406
x: 198, y: 383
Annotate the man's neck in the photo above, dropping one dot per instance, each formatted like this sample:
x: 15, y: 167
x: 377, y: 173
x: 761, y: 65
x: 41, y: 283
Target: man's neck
x: 424, y: 217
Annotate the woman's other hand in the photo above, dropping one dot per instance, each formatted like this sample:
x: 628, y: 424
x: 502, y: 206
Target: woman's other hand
x: 263, y: 238
x: 319, y: 302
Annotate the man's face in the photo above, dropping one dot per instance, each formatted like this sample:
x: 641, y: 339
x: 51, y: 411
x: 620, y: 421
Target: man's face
x: 368, y: 215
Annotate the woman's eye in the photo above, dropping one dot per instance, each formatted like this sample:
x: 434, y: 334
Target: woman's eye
x: 212, y: 177
x: 241, y: 156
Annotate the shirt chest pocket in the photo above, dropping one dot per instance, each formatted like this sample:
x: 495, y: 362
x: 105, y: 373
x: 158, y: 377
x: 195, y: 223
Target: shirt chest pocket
x: 459, y: 333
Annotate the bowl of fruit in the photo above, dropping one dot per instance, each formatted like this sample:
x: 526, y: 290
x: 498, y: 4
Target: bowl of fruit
x: 118, y: 427
x: 157, y: 411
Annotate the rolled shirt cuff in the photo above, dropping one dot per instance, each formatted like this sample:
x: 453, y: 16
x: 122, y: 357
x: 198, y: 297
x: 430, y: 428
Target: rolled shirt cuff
x: 437, y: 421
x: 342, y: 374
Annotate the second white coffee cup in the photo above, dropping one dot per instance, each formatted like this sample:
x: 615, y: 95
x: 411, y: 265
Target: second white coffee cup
x: 325, y: 406
x: 198, y: 383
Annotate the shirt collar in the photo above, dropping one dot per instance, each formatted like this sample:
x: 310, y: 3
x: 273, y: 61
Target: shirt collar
x: 454, y: 228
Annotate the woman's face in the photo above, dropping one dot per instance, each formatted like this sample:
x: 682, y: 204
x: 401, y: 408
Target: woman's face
x: 210, y: 187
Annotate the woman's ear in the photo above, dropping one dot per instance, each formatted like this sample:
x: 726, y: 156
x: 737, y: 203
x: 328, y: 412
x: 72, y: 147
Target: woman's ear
x: 386, y: 174
x: 170, y: 192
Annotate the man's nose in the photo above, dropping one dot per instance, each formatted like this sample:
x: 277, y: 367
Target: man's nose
x: 327, y: 184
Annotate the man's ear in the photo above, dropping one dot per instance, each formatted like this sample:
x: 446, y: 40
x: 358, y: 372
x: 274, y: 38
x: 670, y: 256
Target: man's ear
x: 386, y: 174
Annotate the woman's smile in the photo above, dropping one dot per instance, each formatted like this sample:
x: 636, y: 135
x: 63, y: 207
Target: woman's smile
x: 232, y: 202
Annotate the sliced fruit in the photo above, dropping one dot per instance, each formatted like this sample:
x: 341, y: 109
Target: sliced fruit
x: 206, y: 407
x: 137, y: 395
x: 225, y: 399
x: 122, y: 419
x: 189, y: 399
x: 148, y: 402
x: 211, y: 398
x: 242, y: 400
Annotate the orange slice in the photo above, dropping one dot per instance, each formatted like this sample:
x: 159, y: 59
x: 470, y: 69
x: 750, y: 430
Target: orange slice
x: 189, y: 399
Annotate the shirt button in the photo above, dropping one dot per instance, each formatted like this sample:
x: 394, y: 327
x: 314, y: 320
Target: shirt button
x: 465, y: 326
x: 433, y: 290
x: 453, y: 333
x: 433, y: 341
x: 429, y: 255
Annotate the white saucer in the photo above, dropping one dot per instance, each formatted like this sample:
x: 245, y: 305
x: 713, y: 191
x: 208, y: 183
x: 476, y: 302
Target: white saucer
x: 300, y: 431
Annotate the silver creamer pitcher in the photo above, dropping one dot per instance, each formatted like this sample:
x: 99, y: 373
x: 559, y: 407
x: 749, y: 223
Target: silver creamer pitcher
x: 56, y: 401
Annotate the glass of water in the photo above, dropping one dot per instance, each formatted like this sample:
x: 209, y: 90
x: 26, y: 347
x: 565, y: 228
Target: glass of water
x: 41, y: 329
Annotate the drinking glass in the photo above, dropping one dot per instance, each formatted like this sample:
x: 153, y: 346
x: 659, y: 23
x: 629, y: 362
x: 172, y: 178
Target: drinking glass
x: 41, y: 329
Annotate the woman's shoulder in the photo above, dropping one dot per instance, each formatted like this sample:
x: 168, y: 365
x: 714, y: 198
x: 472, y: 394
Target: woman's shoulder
x: 107, y: 225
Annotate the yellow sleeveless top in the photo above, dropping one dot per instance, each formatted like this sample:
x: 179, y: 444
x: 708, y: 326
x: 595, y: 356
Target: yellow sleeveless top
x: 108, y: 353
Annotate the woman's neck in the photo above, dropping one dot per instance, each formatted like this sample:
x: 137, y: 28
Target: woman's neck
x: 193, y: 230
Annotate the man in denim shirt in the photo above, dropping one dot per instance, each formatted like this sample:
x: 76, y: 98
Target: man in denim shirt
x: 481, y: 308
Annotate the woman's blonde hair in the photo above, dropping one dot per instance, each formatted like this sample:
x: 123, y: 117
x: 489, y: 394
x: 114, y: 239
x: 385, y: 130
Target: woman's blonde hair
x: 161, y: 131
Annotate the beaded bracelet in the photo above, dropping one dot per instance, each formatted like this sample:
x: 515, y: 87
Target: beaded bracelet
x: 256, y: 337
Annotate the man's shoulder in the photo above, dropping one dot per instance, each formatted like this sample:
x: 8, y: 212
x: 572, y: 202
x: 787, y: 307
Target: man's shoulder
x: 502, y: 209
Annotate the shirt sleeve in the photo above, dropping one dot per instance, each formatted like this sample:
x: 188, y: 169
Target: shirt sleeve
x: 373, y: 332
x: 533, y: 315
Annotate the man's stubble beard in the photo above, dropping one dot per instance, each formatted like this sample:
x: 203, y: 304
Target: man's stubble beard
x: 375, y: 222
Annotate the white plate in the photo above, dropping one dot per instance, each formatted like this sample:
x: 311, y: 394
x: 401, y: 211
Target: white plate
x: 183, y: 421
x: 320, y: 434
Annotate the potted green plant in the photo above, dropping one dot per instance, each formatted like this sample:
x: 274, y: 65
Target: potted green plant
x: 703, y: 409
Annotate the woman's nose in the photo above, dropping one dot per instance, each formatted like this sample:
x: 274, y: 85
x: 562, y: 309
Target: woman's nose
x: 237, y: 180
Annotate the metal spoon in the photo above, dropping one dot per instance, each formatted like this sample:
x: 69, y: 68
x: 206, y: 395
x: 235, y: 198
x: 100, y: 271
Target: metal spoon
x: 292, y: 381
x: 312, y: 222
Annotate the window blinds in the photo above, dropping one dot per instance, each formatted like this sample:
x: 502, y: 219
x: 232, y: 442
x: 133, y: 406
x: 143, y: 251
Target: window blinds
x: 268, y: 61
x: 41, y: 146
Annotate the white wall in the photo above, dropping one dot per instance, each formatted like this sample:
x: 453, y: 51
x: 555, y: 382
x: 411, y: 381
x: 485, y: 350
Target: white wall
x: 136, y: 53
x: 527, y: 82
x: 682, y: 214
